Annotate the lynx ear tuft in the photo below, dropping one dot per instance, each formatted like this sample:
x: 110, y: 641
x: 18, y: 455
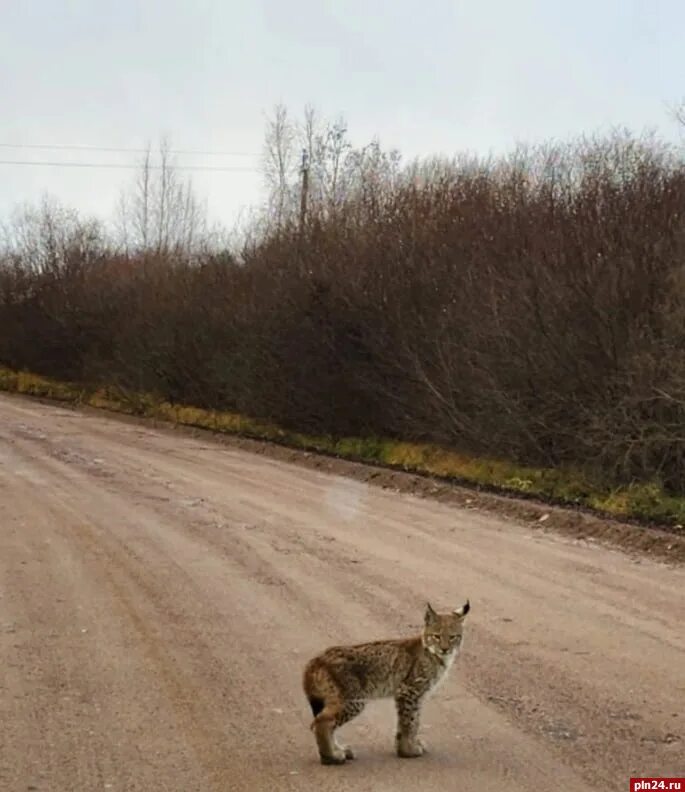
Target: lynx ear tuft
x: 465, y: 608
x: 431, y: 615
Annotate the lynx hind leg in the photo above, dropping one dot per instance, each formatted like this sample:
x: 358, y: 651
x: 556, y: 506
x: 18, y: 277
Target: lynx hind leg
x: 330, y: 752
x: 349, y: 711
x: 334, y: 714
x: 331, y: 710
x: 327, y: 706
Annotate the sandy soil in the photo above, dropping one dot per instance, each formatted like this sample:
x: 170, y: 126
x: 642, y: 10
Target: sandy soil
x: 160, y: 594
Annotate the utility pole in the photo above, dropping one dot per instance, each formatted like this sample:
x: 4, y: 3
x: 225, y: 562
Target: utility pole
x: 305, y: 190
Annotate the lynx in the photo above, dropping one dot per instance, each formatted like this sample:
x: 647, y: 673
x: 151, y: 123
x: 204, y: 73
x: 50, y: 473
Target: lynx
x: 340, y: 681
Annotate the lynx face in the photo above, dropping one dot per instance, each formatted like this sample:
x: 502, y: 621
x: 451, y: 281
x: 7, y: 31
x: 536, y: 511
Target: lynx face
x: 443, y: 632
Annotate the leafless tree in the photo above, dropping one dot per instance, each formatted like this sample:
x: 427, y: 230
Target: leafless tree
x: 46, y: 237
x: 279, y: 163
x: 160, y: 213
x: 678, y: 113
x: 337, y: 170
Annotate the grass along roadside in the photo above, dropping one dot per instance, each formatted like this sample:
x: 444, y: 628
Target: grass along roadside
x: 642, y: 502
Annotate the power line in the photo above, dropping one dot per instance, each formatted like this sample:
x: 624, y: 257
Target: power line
x: 123, y: 166
x: 69, y: 147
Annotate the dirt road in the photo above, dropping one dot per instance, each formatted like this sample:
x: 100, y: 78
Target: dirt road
x: 160, y: 594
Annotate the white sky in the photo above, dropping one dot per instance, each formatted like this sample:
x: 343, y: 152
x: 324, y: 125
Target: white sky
x: 437, y: 76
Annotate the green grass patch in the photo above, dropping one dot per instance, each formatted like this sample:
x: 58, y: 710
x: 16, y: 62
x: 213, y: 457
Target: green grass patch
x: 647, y: 501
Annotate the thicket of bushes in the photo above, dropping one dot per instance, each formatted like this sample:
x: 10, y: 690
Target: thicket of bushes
x: 530, y: 308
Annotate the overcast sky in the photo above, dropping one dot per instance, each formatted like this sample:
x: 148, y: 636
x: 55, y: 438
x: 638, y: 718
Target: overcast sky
x: 426, y: 77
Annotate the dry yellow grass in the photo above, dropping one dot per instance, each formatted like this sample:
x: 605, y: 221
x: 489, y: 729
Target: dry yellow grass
x: 643, y: 501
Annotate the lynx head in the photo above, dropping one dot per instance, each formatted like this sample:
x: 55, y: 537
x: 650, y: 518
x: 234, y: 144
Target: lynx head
x: 442, y: 632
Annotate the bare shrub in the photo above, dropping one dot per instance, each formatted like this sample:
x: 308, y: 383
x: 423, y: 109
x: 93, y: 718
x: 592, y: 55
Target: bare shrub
x: 529, y: 307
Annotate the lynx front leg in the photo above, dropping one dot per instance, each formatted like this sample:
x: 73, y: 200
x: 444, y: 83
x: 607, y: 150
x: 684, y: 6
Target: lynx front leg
x: 408, y: 704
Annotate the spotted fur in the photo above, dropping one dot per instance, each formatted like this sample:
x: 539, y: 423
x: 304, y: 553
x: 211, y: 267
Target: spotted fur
x: 340, y: 681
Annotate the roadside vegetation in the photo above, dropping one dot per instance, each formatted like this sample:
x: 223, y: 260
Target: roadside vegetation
x: 514, y: 323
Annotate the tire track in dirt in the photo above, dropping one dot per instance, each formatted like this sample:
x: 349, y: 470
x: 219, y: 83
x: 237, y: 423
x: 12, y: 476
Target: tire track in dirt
x: 225, y: 570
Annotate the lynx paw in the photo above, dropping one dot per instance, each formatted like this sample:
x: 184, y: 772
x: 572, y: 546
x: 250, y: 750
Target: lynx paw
x: 336, y: 758
x: 410, y: 750
x: 349, y: 753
